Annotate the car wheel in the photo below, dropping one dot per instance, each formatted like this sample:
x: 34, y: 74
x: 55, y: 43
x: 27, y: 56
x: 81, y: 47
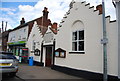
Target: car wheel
x: 12, y: 74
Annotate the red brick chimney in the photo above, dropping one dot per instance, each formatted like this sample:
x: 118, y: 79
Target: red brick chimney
x: 54, y: 28
x: 22, y: 21
x: 45, y: 13
x: 99, y: 7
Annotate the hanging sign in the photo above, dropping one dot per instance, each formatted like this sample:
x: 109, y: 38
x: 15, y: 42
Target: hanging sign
x: 37, y: 52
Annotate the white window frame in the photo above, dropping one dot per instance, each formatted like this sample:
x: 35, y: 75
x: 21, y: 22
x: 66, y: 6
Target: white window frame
x: 78, y: 41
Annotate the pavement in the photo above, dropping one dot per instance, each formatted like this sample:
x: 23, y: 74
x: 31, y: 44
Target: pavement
x: 38, y: 73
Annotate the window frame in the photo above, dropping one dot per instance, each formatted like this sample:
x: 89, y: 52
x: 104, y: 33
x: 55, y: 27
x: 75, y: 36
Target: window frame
x: 78, y: 40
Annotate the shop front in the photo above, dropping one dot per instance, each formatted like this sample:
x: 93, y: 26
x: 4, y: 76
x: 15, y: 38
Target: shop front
x: 19, y: 50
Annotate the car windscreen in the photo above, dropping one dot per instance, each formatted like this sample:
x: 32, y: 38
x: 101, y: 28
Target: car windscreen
x: 7, y: 56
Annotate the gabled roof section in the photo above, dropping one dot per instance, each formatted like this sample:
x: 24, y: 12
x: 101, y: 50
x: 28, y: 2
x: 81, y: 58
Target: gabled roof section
x: 43, y: 29
x: 98, y: 9
x: 60, y: 50
x: 43, y: 25
x: 20, y: 26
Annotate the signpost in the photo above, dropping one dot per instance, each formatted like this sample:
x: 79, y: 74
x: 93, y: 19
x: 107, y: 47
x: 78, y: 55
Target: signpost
x: 104, y: 41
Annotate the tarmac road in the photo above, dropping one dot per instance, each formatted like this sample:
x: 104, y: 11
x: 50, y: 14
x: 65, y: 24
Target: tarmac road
x: 38, y: 73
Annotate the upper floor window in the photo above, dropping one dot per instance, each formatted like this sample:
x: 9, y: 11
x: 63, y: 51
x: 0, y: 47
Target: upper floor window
x: 19, y: 38
x: 78, y: 40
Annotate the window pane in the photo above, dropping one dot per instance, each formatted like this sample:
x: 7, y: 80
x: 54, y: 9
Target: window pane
x: 57, y: 54
x: 74, y: 46
x: 81, y: 35
x: 74, y: 37
x: 17, y: 51
x: 81, y: 46
x: 62, y: 54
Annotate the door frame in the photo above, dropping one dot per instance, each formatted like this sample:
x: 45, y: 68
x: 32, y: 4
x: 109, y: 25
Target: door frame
x: 48, y: 47
x: 43, y: 52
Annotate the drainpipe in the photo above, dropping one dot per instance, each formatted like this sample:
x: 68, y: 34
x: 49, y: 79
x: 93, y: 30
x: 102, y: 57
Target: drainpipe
x: 104, y: 41
x: 41, y: 60
x: 54, y: 52
x: 118, y: 26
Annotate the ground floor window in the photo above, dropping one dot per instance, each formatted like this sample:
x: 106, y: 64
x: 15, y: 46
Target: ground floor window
x: 78, y: 40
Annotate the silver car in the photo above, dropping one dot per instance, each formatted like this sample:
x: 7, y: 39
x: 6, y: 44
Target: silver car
x: 8, y: 63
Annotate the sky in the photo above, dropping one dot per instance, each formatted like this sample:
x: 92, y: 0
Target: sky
x: 12, y: 11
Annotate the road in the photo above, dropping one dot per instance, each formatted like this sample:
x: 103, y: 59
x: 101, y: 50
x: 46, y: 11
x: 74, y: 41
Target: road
x: 39, y: 73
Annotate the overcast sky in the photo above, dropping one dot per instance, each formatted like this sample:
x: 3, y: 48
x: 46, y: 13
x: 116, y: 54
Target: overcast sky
x: 13, y: 11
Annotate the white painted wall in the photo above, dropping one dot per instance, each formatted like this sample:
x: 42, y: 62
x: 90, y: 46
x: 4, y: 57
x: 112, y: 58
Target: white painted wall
x: 34, y: 36
x: 18, y: 35
x: 92, y: 60
x: 48, y: 40
x: 112, y: 46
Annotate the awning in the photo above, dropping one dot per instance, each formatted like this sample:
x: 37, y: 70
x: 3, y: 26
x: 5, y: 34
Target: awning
x: 17, y: 43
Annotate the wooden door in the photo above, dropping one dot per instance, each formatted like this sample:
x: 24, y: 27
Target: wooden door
x: 48, y: 56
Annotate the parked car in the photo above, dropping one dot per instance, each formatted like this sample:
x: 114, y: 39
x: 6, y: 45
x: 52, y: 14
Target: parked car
x: 8, y: 63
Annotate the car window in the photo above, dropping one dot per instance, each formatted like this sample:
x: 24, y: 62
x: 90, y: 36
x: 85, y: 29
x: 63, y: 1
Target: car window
x: 7, y: 56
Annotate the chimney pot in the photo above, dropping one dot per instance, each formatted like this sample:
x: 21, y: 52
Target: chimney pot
x: 99, y: 7
x: 22, y: 21
x: 54, y: 26
x: 45, y: 13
